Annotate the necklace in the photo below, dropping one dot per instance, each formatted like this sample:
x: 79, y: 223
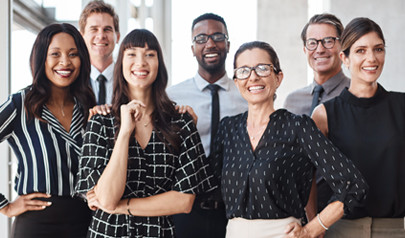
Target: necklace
x: 146, y: 124
x: 253, y: 137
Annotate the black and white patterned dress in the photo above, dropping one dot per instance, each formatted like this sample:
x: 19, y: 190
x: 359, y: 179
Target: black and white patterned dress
x: 274, y: 180
x: 151, y: 171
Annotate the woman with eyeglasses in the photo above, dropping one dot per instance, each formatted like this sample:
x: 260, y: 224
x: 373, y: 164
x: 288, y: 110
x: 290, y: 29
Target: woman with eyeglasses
x: 144, y: 161
x: 367, y: 123
x: 269, y: 158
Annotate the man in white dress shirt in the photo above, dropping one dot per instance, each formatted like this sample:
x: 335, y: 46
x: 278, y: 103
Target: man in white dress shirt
x: 99, y: 27
x: 210, y: 47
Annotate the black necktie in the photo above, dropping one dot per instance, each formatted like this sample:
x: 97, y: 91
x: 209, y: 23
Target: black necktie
x: 318, y: 90
x: 101, y: 89
x: 214, y: 112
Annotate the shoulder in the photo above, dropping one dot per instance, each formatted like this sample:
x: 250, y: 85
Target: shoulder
x: 102, y: 120
x: 233, y: 121
x: 177, y: 88
x: 284, y: 116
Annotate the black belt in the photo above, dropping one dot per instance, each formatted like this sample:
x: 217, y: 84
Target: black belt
x: 210, y: 205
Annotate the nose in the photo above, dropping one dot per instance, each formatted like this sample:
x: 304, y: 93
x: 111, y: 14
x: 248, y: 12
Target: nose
x: 320, y: 47
x: 253, y: 75
x: 64, y: 60
x: 140, y: 61
x: 210, y: 43
x: 371, y: 56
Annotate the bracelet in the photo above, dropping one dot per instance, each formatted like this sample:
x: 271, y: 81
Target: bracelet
x: 129, y: 212
x: 320, y: 222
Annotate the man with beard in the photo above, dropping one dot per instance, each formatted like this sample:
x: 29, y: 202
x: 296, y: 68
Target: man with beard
x: 212, y: 95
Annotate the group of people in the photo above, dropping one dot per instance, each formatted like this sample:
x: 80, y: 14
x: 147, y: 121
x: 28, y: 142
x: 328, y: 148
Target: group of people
x: 211, y: 156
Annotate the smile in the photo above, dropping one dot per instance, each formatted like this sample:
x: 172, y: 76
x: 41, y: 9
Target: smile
x: 370, y: 68
x: 64, y: 73
x: 211, y: 55
x: 255, y: 88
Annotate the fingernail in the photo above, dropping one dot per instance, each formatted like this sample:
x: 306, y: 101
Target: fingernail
x: 43, y: 207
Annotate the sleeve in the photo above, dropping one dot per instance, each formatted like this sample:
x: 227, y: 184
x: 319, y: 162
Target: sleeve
x: 193, y: 173
x: 8, y: 115
x: 94, y: 157
x: 346, y: 181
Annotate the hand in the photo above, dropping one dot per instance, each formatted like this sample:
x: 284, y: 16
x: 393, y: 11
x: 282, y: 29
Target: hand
x: 25, y: 203
x: 94, y: 204
x: 184, y: 108
x: 130, y: 114
x: 295, y: 230
x: 99, y: 109
x: 92, y: 200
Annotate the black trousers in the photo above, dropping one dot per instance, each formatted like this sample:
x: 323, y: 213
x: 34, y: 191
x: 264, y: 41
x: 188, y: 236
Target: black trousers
x: 201, y: 223
x: 67, y: 217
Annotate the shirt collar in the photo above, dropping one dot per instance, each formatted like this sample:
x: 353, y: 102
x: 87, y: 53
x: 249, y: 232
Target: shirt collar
x: 224, y: 82
x: 108, y: 72
x: 331, y: 83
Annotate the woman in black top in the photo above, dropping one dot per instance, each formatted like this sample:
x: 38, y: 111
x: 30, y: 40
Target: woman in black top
x: 269, y: 158
x: 367, y: 124
x: 44, y: 124
x: 144, y: 161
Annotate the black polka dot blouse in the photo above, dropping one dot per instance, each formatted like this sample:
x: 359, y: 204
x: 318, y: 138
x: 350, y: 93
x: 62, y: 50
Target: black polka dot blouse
x: 274, y: 181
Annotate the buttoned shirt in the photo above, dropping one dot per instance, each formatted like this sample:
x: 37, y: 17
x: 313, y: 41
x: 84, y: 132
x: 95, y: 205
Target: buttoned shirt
x: 300, y: 101
x: 108, y: 74
x: 274, y: 180
x: 46, y: 153
x: 194, y: 92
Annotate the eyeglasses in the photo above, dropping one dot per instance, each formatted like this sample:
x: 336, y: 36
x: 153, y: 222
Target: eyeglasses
x: 203, y: 38
x: 261, y: 70
x: 327, y: 43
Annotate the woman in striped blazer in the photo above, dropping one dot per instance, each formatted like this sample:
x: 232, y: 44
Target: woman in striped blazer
x: 43, y: 124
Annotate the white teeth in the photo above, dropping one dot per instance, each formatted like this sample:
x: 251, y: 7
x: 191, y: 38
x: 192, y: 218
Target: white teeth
x: 63, y: 72
x: 140, y: 73
x: 255, y: 88
x: 99, y: 44
x: 321, y: 58
x: 370, y: 68
x: 211, y: 55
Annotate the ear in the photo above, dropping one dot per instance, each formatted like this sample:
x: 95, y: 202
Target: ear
x: 228, y: 44
x: 279, y: 78
x: 192, y: 49
x: 345, y: 60
x: 118, y: 37
x: 304, y: 49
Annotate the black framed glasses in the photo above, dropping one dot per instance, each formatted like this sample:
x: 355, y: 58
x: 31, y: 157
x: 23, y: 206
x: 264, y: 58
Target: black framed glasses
x: 203, y: 38
x: 261, y: 70
x: 327, y: 42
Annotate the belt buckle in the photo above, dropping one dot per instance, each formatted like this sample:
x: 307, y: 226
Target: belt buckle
x: 209, y: 205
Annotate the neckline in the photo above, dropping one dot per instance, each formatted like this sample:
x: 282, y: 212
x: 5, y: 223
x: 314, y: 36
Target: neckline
x: 364, y: 102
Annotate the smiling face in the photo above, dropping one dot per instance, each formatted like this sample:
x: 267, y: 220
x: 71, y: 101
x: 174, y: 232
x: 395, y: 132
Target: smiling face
x: 324, y: 62
x: 100, y: 36
x: 366, y: 58
x: 256, y: 89
x: 140, y: 67
x: 62, y: 65
x: 211, y: 55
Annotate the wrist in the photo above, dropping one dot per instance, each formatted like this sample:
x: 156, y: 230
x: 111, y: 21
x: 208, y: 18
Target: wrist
x: 128, y: 207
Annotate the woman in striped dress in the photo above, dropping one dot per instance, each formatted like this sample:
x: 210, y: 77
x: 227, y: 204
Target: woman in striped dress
x: 43, y: 124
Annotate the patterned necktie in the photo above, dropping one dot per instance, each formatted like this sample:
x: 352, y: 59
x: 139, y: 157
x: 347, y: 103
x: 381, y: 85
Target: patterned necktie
x: 318, y: 90
x: 101, y: 89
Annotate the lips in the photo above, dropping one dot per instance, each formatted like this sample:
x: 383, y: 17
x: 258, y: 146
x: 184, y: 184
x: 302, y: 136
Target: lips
x: 321, y: 59
x: 370, y: 68
x: 100, y: 44
x: 64, y: 72
x: 256, y: 88
x: 142, y: 73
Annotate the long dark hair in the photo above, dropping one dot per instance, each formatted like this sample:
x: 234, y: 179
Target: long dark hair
x: 39, y: 94
x: 164, y: 108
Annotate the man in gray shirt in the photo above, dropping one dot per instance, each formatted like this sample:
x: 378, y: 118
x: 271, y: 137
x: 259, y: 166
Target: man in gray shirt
x: 321, y: 37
